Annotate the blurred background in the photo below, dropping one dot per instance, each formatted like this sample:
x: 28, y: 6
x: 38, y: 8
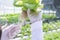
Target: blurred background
x: 51, y: 22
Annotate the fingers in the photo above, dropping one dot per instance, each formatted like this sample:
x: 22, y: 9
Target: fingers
x: 8, y: 28
x: 11, y: 31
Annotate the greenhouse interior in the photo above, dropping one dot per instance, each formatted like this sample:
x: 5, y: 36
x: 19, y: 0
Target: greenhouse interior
x: 16, y: 21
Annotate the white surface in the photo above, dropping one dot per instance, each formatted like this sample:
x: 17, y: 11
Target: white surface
x: 6, y: 7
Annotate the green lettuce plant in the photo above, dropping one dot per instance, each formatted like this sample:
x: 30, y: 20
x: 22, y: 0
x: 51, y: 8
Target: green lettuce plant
x: 28, y: 4
x: 25, y: 4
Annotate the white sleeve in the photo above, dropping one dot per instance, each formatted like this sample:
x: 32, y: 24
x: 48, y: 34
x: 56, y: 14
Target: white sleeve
x: 4, y: 36
x: 36, y: 30
x: 10, y: 32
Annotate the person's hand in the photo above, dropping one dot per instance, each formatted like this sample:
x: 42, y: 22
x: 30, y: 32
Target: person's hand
x: 33, y: 16
x: 10, y: 32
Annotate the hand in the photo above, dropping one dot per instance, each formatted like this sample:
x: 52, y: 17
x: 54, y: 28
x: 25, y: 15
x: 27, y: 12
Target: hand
x: 34, y: 17
x: 10, y: 32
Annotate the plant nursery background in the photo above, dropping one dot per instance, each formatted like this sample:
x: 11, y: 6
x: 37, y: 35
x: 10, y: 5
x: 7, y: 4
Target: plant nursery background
x: 51, y: 23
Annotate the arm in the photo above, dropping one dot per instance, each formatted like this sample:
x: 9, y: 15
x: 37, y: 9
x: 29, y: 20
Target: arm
x: 36, y: 30
x: 36, y: 26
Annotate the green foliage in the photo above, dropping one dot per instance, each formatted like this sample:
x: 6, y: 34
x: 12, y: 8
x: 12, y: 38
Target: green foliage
x: 18, y: 3
x: 51, y: 26
x: 25, y: 4
x: 48, y: 16
x: 25, y: 32
x: 9, y: 18
x: 3, y: 20
x: 12, y: 19
x: 55, y: 35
